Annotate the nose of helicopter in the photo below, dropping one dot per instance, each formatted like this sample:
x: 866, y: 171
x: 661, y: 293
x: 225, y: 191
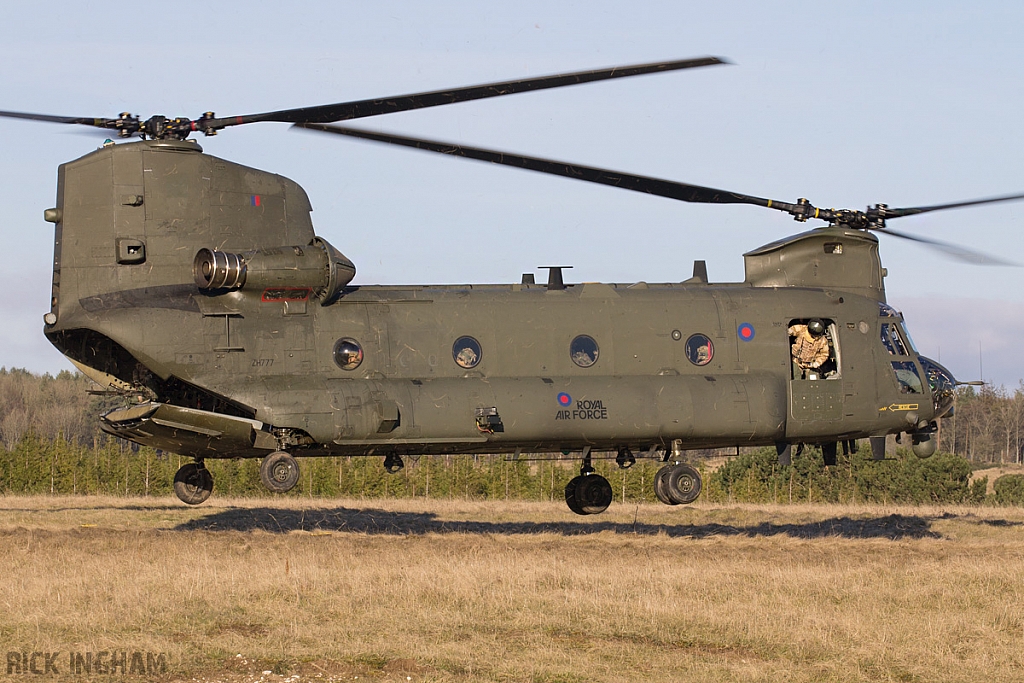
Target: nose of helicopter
x: 942, y: 383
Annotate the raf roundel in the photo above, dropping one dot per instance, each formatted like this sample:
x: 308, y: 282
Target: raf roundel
x: 746, y: 331
x: 564, y: 399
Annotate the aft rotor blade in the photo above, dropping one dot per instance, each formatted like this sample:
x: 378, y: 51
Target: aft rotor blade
x: 344, y: 111
x: 914, y: 210
x: 626, y: 181
x: 959, y: 253
x: 80, y: 120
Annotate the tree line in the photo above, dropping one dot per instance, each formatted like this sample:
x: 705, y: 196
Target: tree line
x: 51, y: 444
x: 987, y: 425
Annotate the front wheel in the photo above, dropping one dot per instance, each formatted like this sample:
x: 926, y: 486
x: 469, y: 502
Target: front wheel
x: 589, y: 494
x: 570, y: 496
x: 682, y: 483
x: 279, y: 472
x: 660, y: 487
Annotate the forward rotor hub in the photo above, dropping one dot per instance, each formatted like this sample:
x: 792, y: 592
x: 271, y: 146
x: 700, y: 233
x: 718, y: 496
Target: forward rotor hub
x: 161, y: 127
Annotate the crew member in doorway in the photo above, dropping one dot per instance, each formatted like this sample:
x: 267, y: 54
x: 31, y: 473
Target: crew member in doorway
x: 812, y: 350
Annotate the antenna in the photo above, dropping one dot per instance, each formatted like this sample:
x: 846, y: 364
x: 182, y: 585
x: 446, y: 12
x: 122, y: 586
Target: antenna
x: 555, y: 277
x: 981, y: 367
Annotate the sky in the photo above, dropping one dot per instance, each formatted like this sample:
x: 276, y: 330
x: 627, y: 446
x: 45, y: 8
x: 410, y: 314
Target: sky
x: 847, y: 104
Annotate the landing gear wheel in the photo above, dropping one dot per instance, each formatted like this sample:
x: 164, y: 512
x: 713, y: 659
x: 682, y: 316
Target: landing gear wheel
x: 570, y: 496
x: 279, y: 472
x: 682, y: 483
x: 588, y: 495
x: 660, y: 488
x: 193, y: 483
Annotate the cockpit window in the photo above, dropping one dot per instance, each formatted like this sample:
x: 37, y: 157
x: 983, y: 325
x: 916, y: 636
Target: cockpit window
x: 910, y: 340
x: 887, y: 311
x: 891, y: 340
x: 906, y: 375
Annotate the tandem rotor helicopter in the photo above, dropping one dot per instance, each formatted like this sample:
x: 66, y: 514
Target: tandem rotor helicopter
x: 198, y: 287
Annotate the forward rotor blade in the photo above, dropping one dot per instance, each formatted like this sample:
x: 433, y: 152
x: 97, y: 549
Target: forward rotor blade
x: 656, y: 186
x: 80, y: 120
x: 626, y: 181
x: 955, y: 251
x: 914, y: 210
x: 344, y: 111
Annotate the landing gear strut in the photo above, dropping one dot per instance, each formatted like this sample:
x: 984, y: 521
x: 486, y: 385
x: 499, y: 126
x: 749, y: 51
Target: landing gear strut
x: 589, y: 493
x: 279, y: 472
x: 193, y: 483
x: 677, y: 484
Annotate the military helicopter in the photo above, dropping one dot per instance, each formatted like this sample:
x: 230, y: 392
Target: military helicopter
x: 198, y: 288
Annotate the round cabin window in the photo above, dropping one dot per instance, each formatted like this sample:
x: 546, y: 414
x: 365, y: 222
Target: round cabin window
x: 347, y: 353
x: 583, y: 351
x: 699, y: 349
x: 466, y: 352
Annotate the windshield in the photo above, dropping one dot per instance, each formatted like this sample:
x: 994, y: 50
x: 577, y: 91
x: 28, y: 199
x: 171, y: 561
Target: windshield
x: 895, y: 336
x: 887, y: 311
x: 910, y: 340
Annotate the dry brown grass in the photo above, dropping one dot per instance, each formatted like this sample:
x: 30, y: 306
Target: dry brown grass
x: 468, y: 591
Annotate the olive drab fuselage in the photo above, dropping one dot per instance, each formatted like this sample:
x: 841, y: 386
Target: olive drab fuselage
x: 282, y: 349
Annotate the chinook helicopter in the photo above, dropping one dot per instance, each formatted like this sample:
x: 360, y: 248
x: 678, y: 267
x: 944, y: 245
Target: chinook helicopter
x: 197, y: 287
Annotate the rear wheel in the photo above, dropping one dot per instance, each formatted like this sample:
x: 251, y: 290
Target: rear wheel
x: 193, y: 483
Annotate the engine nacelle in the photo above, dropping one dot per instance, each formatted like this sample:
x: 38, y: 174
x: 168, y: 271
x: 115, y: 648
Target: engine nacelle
x: 317, y: 266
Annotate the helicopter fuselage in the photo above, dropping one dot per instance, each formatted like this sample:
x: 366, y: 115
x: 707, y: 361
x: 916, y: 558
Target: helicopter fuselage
x: 277, y: 349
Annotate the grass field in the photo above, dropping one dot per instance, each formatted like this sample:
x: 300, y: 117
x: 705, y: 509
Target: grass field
x: 419, y: 590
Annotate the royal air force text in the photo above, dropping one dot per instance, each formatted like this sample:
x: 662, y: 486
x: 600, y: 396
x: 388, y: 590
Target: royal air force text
x: 585, y: 410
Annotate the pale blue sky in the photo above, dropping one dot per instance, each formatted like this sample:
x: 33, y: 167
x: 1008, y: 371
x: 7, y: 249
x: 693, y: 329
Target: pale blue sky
x: 847, y: 104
